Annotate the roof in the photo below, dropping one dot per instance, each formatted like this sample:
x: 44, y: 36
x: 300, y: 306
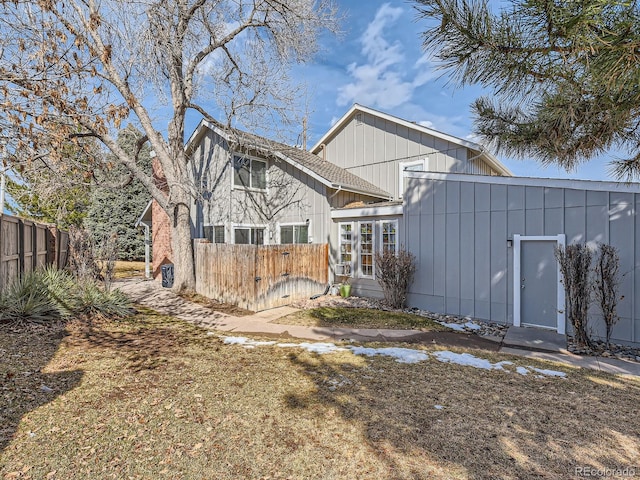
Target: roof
x: 487, y: 156
x: 145, y: 218
x: 325, y: 172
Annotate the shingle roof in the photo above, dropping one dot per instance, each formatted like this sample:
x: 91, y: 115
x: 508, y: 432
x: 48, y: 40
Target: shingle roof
x: 328, y: 173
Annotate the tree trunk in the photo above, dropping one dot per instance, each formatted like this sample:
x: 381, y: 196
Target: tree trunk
x: 182, y: 245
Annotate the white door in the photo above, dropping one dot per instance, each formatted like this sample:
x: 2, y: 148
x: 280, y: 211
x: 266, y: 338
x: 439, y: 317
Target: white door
x: 538, y: 292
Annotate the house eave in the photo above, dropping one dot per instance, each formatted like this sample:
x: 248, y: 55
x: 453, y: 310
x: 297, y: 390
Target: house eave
x: 372, y: 211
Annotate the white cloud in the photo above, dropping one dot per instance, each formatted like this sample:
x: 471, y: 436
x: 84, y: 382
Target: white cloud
x: 386, y: 79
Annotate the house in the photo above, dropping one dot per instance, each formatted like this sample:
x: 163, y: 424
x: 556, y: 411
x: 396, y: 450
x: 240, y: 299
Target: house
x: 483, y: 239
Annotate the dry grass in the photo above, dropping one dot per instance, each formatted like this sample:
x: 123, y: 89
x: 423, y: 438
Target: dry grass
x: 215, y: 305
x: 359, y: 318
x: 129, y: 269
x: 155, y: 398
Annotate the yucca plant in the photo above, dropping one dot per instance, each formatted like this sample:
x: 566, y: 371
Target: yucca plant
x: 28, y: 298
x: 90, y: 299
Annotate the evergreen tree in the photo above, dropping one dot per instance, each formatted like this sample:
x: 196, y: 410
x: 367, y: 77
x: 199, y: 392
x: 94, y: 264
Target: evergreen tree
x: 565, y: 74
x: 115, y: 210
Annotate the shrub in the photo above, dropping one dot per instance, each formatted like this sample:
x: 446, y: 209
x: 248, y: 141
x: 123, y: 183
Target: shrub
x: 605, y: 286
x: 50, y: 294
x: 395, y: 273
x: 575, y: 265
x: 89, y: 299
x: 28, y: 298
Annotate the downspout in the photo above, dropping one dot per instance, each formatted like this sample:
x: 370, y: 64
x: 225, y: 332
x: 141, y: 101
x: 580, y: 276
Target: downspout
x: 147, y: 252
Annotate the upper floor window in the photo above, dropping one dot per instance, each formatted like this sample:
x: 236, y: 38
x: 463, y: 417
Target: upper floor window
x: 249, y: 172
x: 294, y: 233
x: 414, y: 166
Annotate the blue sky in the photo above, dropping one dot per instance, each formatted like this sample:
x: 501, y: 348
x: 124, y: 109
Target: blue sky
x: 378, y: 62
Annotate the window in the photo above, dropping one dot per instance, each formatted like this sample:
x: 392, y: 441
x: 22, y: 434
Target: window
x: 214, y: 234
x: 389, y: 231
x: 218, y: 234
x: 415, y: 166
x: 249, y: 172
x: 346, y: 246
x: 366, y: 249
x: 248, y: 235
x: 294, y: 234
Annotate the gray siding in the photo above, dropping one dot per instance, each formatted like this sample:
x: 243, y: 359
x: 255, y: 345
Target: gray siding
x: 373, y: 148
x: 458, y: 231
x: 291, y: 196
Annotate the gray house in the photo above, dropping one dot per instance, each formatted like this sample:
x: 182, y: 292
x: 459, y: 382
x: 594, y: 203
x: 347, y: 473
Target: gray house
x: 484, y: 240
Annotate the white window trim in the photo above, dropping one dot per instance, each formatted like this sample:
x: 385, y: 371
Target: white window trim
x: 246, y: 225
x: 252, y: 158
x: 381, y: 233
x: 373, y: 248
x: 403, y: 165
x: 294, y: 224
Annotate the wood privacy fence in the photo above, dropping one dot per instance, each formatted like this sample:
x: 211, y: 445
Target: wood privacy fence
x: 259, y: 277
x: 26, y: 245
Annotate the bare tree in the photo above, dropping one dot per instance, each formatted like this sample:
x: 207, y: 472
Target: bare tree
x: 605, y: 286
x: 394, y: 272
x: 74, y: 69
x: 575, y: 265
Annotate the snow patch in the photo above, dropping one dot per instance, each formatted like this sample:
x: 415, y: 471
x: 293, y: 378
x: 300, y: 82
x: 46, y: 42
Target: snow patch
x: 438, y: 407
x: 402, y: 355
x: 321, y: 348
x: 522, y: 370
x: 549, y: 373
x: 453, y: 326
x: 472, y: 326
x: 469, y: 360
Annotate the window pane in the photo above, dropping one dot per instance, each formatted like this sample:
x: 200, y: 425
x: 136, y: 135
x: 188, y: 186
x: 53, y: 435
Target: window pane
x: 241, y: 168
x: 257, y: 236
x: 286, y: 234
x: 389, y: 236
x: 366, y: 249
x: 302, y: 232
x: 208, y: 233
x: 242, y: 235
x: 345, y: 245
x: 219, y: 234
x: 258, y: 174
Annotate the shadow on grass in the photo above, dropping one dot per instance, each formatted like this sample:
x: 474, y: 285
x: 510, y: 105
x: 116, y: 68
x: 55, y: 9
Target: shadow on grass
x: 446, y: 421
x: 26, y: 351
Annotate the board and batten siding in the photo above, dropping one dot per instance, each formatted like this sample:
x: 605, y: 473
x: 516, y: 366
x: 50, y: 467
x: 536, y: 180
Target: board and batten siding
x: 458, y: 227
x: 292, y: 196
x: 373, y: 148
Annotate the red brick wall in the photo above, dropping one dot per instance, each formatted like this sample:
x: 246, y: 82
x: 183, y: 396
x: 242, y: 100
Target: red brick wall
x: 161, y: 230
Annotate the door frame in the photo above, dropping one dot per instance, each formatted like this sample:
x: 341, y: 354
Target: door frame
x: 517, y: 266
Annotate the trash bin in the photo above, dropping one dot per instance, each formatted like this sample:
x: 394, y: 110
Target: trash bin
x: 167, y: 275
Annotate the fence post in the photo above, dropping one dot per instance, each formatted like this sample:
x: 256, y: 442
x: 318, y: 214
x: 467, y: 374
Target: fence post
x: 52, y: 259
x: 20, y: 248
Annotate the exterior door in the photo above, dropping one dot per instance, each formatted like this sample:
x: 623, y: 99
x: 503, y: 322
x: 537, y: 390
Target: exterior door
x: 538, y: 284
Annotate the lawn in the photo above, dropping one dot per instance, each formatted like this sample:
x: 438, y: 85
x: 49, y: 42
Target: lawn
x: 150, y: 397
x: 128, y: 269
x: 359, y: 318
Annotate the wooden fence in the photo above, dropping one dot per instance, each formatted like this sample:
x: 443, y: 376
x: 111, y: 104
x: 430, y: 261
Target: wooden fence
x: 26, y: 245
x: 259, y: 277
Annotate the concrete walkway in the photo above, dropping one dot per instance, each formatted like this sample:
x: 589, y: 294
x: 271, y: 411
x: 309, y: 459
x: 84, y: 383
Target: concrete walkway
x: 525, y: 342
